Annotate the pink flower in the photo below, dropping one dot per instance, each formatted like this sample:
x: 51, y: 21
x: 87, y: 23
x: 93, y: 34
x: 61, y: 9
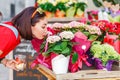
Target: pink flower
x: 94, y: 12
x: 80, y: 35
x: 57, y: 25
x: 76, y: 24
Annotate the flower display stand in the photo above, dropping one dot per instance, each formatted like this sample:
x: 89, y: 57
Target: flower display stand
x: 65, y: 19
x: 81, y: 75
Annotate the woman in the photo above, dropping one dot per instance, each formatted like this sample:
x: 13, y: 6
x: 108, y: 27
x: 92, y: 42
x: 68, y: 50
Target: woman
x: 28, y: 24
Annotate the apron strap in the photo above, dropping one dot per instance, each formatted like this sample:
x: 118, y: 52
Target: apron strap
x: 12, y: 28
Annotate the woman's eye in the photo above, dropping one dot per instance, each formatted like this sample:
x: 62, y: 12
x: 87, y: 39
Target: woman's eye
x: 43, y: 27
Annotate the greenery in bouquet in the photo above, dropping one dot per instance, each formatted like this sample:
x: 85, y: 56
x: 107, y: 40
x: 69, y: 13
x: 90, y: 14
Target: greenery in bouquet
x: 104, y: 52
x: 60, y: 43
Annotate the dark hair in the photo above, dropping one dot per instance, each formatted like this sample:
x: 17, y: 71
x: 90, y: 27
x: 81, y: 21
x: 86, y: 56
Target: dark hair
x: 23, y: 22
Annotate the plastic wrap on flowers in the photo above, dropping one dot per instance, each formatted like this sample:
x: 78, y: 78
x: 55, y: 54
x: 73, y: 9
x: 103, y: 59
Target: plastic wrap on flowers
x: 80, y: 48
x: 105, y: 54
x: 112, y: 40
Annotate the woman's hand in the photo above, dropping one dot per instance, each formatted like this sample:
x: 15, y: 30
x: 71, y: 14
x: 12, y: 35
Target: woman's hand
x: 10, y: 64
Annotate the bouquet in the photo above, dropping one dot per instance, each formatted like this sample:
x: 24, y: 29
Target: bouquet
x: 104, y: 52
x: 60, y: 44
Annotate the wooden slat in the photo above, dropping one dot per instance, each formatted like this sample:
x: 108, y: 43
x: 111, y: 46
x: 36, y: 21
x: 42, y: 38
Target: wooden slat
x: 81, y: 75
x: 89, y: 74
x: 106, y: 79
x: 46, y: 72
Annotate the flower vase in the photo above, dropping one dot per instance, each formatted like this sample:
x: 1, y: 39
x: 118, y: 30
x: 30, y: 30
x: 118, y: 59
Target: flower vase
x: 60, y: 64
x: 59, y: 14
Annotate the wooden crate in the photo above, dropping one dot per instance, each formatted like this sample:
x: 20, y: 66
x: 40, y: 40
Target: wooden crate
x: 82, y: 75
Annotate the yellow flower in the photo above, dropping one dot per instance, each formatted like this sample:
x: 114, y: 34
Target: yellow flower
x: 41, y: 1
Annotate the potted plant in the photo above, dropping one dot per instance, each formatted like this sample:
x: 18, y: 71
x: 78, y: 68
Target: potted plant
x: 62, y: 46
x: 49, y: 9
x: 80, y: 8
x: 60, y: 9
x: 76, y: 9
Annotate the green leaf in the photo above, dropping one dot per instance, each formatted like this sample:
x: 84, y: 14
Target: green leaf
x: 51, y: 45
x: 79, y: 11
x: 70, y: 12
x: 86, y: 33
x: 57, y: 48
x: 42, y: 46
x: 63, y: 45
x: 60, y: 6
x: 66, y: 50
x: 45, y: 54
x: 81, y: 6
x: 47, y: 6
x: 117, y: 19
x: 70, y: 44
x: 93, y: 37
x: 74, y: 58
x: 97, y: 3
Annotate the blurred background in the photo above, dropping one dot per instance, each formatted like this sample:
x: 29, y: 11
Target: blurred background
x: 10, y: 8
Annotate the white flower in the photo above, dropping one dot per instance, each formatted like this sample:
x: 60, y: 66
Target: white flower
x: 53, y: 39
x: 66, y: 26
x: 57, y: 25
x: 67, y: 35
x: 93, y: 30
x: 75, y: 24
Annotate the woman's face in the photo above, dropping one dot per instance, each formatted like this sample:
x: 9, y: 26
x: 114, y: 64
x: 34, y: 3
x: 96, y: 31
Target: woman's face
x: 40, y: 30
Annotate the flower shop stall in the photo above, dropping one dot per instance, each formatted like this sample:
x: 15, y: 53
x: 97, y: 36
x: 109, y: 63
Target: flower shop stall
x: 77, y: 48
x: 95, y: 45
